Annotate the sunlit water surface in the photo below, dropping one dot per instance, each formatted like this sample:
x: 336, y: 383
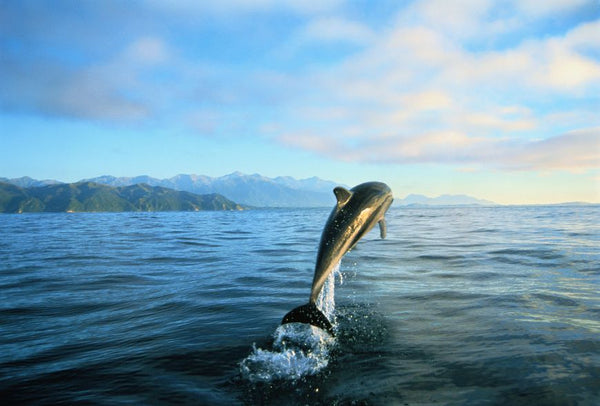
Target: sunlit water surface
x: 494, y: 305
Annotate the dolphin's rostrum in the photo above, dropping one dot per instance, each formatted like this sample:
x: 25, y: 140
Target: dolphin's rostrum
x: 355, y: 214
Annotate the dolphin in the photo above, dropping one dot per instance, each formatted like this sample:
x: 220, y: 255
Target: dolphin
x: 355, y: 214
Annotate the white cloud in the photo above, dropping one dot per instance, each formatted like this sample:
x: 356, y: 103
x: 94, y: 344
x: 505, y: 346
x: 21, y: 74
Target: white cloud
x: 575, y: 151
x: 428, y: 100
x: 92, y: 93
x: 417, y: 94
x: 585, y: 35
x: 432, y: 147
x: 479, y: 121
x: 458, y: 18
x: 568, y: 70
x: 548, y: 64
x: 311, y: 142
x: 147, y: 50
x: 432, y: 86
x: 111, y: 90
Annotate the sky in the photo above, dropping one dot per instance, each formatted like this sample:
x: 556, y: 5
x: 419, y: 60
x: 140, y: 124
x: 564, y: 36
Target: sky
x: 499, y: 100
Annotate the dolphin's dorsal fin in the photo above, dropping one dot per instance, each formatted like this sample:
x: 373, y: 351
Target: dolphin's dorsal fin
x: 382, y: 228
x: 342, y: 195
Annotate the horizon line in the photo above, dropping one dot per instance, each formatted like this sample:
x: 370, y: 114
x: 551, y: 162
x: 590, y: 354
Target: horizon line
x: 396, y: 203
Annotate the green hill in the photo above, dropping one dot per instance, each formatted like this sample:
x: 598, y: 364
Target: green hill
x: 93, y: 197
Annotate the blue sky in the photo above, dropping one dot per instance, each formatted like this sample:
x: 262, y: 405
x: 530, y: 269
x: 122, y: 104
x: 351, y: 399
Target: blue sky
x: 495, y: 99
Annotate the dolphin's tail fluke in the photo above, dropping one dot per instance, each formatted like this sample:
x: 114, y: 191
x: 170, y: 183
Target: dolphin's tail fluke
x: 309, y: 314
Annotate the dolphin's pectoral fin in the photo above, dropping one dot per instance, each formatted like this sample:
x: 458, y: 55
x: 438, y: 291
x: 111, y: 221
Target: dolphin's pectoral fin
x: 382, y: 228
x: 309, y: 314
x: 342, y: 195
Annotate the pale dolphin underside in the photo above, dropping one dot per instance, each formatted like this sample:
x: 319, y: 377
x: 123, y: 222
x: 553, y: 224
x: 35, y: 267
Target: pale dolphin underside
x: 355, y: 214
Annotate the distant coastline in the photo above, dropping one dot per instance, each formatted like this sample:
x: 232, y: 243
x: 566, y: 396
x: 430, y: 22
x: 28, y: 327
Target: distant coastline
x: 93, y: 197
x: 245, y: 191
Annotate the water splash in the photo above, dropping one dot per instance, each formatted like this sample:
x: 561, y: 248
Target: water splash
x: 326, y: 299
x: 298, y: 349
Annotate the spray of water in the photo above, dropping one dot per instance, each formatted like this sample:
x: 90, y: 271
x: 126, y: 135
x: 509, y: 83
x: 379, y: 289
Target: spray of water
x: 298, y: 349
x: 326, y: 299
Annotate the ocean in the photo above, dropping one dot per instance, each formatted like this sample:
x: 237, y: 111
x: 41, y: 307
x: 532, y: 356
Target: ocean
x: 458, y: 306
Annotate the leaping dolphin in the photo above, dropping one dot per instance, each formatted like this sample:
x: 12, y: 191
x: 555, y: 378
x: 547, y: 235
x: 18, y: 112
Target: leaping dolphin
x: 355, y: 214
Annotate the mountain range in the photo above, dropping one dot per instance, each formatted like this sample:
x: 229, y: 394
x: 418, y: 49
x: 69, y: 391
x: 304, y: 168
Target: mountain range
x: 249, y: 190
x: 93, y: 197
x: 255, y: 190
x: 252, y: 190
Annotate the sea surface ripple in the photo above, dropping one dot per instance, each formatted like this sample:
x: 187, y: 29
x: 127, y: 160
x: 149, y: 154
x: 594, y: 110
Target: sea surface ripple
x: 459, y: 305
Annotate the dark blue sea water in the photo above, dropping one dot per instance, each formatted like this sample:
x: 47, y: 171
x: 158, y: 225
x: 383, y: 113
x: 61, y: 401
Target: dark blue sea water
x: 489, y: 305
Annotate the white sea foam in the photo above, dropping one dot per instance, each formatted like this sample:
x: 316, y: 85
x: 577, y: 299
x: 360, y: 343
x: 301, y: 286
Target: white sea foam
x: 298, y: 349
